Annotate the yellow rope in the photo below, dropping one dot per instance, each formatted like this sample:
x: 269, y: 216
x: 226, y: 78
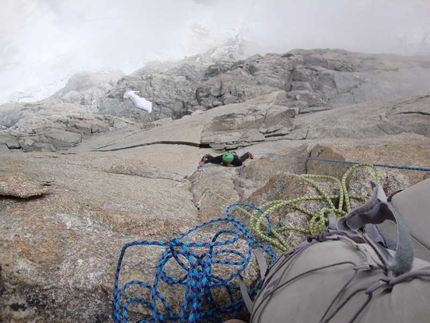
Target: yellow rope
x: 318, y: 220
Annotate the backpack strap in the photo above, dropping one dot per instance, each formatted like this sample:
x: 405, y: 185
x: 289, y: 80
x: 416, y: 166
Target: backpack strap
x: 377, y: 235
x: 376, y: 211
x: 262, y: 265
x: 261, y: 261
x: 245, y: 295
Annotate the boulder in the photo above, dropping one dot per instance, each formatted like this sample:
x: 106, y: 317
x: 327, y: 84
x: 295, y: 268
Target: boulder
x: 12, y: 185
x: 258, y: 172
x: 326, y: 168
x: 261, y: 121
x: 27, y: 144
x: 88, y: 126
x: 9, y: 140
x: 41, y: 124
x: 86, y: 88
x: 62, y: 140
x: 360, y: 182
x: 171, y: 96
x: 285, y: 187
x: 412, y: 116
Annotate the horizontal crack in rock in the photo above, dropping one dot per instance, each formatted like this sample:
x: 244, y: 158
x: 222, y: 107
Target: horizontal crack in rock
x: 163, y: 142
x: 414, y: 112
x: 167, y: 176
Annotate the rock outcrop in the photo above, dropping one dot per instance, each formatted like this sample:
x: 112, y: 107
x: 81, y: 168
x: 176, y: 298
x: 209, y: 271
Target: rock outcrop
x: 48, y: 126
x: 86, y: 88
x: 265, y: 119
x: 304, y: 82
x: 313, y: 79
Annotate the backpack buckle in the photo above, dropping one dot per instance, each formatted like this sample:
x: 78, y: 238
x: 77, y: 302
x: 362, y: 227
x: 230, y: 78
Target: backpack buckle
x: 383, y: 282
x: 364, y: 267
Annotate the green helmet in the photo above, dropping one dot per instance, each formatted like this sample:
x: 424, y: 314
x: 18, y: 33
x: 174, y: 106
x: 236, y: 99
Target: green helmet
x: 227, y: 157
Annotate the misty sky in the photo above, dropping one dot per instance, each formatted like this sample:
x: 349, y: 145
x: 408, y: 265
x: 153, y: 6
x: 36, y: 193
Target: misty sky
x: 43, y: 42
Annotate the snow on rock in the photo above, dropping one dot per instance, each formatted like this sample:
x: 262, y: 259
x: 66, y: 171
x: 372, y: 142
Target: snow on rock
x: 138, y: 101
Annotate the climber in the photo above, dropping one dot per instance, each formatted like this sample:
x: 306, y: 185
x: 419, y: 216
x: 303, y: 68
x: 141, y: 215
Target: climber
x: 229, y: 159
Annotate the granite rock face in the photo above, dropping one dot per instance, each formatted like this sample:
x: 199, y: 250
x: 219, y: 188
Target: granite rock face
x: 85, y: 172
x: 410, y: 116
x: 86, y: 88
x: 65, y: 217
x: 259, y: 123
x: 312, y: 79
x: 53, y: 126
x: 306, y: 82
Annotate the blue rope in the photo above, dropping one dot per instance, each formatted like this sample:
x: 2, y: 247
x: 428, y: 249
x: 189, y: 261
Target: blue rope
x: 421, y: 169
x: 198, y: 281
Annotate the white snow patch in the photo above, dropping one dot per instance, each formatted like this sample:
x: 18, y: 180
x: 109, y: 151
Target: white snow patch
x: 138, y: 101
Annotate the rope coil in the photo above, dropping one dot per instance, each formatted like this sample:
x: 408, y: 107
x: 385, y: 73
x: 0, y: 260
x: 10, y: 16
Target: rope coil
x: 318, y: 221
x: 198, y: 281
x: 259, y: 218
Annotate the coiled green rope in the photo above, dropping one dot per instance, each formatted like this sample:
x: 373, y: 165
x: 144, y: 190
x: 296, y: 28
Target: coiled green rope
x: 318, y: 220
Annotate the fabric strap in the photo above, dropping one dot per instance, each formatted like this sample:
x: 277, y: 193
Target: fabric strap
x: 376, y: 211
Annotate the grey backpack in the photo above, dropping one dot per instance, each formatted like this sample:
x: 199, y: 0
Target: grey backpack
x: 345, y: 275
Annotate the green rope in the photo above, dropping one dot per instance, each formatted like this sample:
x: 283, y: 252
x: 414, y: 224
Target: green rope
x: 318, y: 220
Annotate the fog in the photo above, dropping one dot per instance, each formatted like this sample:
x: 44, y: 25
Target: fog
x: 43, y: 42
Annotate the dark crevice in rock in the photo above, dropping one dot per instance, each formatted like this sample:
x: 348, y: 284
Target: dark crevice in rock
x: 271, y: 135
x: 168, y: 176
x: 184, y: 143
x: 39, y: 301
x: 307, y: 134
x: 18, y: 307
x: 414, y: 112
x: 313, y: 111
x: 307, y: 160
x: 386, y: 131
x: 23, y: 199
x: 290, y: 79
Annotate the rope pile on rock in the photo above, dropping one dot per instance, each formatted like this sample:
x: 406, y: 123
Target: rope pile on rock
x: 197, y: 258
x: 338, y: 204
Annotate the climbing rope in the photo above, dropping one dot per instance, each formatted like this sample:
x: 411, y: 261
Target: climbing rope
x: 327, y: 160
x: 197, y: 259
x: 199, y: 281
x: 260, y: 223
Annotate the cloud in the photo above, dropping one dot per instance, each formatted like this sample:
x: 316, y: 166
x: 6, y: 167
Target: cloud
x: 43, y: 41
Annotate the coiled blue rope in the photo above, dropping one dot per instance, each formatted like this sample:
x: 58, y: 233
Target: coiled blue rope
x: 198, y: 281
